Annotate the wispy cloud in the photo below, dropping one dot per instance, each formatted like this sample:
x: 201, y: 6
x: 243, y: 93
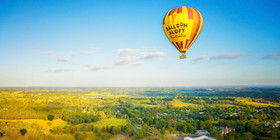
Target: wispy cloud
x: 44, y: 52
x: 84, y: 52
x: 153, y: 55
x: 87, y: 65
x: 102, y: 68
x: 137, y: 63
x: 58, y: 70
x: 127, y: 51
x: 142, y: 56
x: 200, y: 58
x: 228, y: 56
x: 63, y: 59
x: 272, y: 56
x: 127, y: 60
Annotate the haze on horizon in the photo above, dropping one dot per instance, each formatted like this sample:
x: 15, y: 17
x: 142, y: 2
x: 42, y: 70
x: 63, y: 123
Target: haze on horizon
x: 121, y: 44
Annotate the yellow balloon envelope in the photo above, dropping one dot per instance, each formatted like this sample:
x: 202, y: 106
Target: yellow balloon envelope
x: 182, y: 25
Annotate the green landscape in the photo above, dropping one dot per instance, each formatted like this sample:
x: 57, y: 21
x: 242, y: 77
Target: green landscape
x: 137, y: 113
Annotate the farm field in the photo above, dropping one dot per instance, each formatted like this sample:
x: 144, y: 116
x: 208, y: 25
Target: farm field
x: 179, y: 103
x: 88, y: 114
x: 111, y: 122
x: 46, y: 125
x: 260, y: 104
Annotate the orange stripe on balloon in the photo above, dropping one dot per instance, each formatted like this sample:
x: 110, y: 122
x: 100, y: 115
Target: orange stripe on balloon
x: 197, y: 26
x: 190, y: 13
x: 180, y: 10
x: 186, y: 43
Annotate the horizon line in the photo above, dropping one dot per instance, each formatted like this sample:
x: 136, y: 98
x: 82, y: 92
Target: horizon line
x: 201, y: 86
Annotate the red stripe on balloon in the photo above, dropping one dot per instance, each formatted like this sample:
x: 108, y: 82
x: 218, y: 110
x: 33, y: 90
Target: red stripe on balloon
x: 179, y: 10
x: 197, y: 26
x: 186, y: 43
x: 190, y: 13
x: 163, y: 21
x: 175, y: 45
x: 182, y: 44
x: 171, y: 12
x: 179, y: 45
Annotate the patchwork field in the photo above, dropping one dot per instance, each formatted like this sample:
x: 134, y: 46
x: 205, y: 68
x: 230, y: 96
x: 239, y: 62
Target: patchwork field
x: 179, y: 103
x: 144, y: 103
x: 45, y: 124
x: 111, y: 122
x: 64, y: 137
x: 260, y: 104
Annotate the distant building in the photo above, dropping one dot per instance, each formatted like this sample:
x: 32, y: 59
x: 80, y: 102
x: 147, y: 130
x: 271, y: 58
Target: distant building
x: 226, y: 130
x: 199, y: 138
x: 267, y: 124
x: 233, y: 114
x: 201, y: 113
x: 201, y: 132
x: 118, y: 111
x: 276, y: 125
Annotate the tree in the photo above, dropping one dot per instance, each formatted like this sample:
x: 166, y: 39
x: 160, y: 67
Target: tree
x: 248, y: 136
x: 23, y: 132
x: 208, y: 125
x: 215, y: 133
x: 190, y: 128
x: 79, y: 136
x: 125, y: 116
x: 50, y: 117
x: 140, y: 134
x: 162, y: 131
x: 129, y: 129
x: 101, y: 115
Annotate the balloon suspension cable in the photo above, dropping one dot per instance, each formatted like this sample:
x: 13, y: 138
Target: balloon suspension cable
x: 183, y: 56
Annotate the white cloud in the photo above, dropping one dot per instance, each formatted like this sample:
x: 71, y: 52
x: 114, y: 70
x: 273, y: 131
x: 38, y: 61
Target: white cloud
x: 126, y: 60
x: 63, y: 59
x: 228, y: 56
x: 138, y: 63
x: 44, y: 52
x: 58, y: 70
x: 153, y: 55
x: 142, y: 56
x: 272, y: 56
x: 200, y: 58
x: 82, y: 53
x: 127, y: 51
x: 102, y: 68
x: 87, y: 65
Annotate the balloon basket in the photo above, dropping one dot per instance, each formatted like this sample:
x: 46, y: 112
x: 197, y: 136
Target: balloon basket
x: 183, y: 56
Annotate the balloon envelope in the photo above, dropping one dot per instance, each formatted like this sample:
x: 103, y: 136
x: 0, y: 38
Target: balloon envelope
x: 182, y: 25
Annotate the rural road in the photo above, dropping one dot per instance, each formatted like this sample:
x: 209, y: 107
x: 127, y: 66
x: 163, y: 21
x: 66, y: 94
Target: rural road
x: 136, y: 129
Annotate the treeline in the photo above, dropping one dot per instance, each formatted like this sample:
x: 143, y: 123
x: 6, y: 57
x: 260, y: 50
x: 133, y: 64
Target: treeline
x: 126, y: 129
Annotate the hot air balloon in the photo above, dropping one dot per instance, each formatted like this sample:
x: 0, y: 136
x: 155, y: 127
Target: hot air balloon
x: 182, y: 25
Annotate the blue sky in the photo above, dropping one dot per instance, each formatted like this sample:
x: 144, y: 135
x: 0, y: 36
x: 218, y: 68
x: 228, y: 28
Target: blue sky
x: 122, y: 43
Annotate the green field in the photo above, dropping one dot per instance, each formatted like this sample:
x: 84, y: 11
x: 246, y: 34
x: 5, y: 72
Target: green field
x: 179, y: 103
x: 102, y: 113
x: 42, y: 123
x: 111, y: 122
